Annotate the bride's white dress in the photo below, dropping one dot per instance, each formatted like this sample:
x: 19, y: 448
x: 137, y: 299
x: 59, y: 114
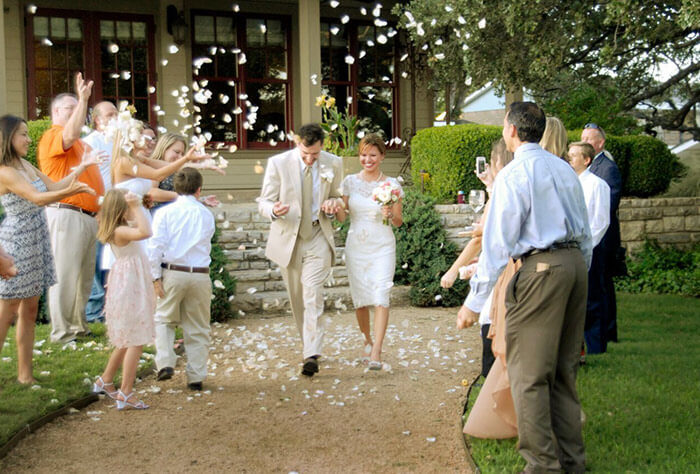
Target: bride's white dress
x: 140, y: 187
x: 370, y: 249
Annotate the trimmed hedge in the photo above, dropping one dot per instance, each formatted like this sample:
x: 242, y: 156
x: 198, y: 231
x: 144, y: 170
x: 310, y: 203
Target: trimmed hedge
x: 448, y: 155
x: 36, y: 130
x: 646, y: 164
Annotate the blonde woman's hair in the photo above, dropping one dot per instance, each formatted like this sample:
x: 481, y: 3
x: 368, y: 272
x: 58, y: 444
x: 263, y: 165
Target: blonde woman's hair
x: 554, y: 139
x: 119, y: 153
x: 112, y: 214
x: 164, y: 142
x: 372, y: 139
x: 500, y: 156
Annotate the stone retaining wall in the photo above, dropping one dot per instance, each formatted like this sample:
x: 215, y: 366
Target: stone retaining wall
x: 671, y: 221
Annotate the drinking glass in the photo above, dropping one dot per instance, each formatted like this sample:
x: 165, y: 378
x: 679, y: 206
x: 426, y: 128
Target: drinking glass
x: 477, y: 199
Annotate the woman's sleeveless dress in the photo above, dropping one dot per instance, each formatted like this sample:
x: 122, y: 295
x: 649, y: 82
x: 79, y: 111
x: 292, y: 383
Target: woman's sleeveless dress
x: 24, y: 234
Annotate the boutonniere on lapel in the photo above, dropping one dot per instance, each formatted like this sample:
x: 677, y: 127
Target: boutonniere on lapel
x: 326, y: 173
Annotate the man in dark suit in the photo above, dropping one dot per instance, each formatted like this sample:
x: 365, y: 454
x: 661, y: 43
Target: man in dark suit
x: 604, y: 167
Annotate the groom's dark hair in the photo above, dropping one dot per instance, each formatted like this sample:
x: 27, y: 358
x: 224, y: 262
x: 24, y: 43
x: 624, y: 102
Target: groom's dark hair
x: 310, y: 134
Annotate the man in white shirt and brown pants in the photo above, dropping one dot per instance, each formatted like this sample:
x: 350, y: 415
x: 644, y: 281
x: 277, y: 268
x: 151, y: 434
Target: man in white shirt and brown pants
x: 538, y: 214
x: 179, y: 252
x: 596, y: 192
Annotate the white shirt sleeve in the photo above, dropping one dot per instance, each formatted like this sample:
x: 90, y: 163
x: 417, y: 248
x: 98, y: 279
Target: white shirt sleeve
x: 157, y: 244
x: 599, y: 211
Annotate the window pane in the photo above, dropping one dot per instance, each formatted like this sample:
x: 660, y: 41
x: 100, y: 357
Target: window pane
x: 75, y: 29
x: 75, y: 56
x: 204, y: 29
x: 42, y: 106
x: 140, y: 59
x: 41, y: 55
x: 124, y: 30
x: 255, y: 67
x: 199, y: 52
x: 141, y: 109
x: 226, y: 63
x: 58, y: 28
x: 215, y: 113
x: 58, y: 57
x: 109, y: 85
x: 339, y: 39
x: 339, y: 93
x: 109, y: 59
x: 106, y: 29
x: 376, y: 105
x: 225, y: 34
x: 141, y: 85
x: 139, y: 30
x: 59, y: 80
x: 41, y: 27
x: 277, y: 63
x: 275, y: 34
x: 43, y: 84
x: 255, y: 32
x: 124, y: 87
x: 271, y: 100
x: 124, y: 58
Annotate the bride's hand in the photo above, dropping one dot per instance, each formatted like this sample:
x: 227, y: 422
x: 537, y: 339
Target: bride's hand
x: 466, y: 318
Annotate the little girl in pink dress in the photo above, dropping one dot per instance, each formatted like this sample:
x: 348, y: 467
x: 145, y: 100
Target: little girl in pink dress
x: 130, y: 301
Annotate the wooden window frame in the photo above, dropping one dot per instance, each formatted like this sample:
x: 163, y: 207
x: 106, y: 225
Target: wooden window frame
x: 354, y: 85
x: 242, y: 79
x: 92, y: 69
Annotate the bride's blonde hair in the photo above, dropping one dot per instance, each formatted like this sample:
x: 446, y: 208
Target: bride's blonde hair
x: 112, y: 214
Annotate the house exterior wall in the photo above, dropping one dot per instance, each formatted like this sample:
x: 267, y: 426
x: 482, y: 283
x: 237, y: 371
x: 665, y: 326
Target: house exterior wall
x: 244, y: 165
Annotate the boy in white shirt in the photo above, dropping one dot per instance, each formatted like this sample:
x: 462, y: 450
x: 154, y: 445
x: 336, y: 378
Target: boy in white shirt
x: 179, y: 255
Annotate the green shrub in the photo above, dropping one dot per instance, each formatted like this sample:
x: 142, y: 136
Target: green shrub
x: 448, y: 154
x: 656, y: 269
x: 220, y: 305
x: 646, y: 164
x: 36, y: 130
x: 423, y: 254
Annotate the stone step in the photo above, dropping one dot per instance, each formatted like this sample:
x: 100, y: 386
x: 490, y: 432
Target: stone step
x: 335, y: 299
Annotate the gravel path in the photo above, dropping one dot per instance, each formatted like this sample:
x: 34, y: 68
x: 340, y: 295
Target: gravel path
x: 257, y: 414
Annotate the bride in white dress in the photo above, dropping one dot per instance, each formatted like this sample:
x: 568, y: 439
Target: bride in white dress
x: 370, y: 249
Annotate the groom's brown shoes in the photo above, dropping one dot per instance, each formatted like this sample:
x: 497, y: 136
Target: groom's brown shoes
x: 310, y: 366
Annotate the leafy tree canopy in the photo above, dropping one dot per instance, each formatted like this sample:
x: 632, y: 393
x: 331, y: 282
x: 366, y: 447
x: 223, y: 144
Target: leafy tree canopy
x: 551, y: 47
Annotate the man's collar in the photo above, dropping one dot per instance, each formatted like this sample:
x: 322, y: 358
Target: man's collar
x: 526, y: 146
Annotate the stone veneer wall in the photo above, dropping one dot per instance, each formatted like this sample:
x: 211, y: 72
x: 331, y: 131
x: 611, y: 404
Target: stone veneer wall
x: 671, y: 221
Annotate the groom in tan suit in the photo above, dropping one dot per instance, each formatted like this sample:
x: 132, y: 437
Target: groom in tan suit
x: 301, y: 194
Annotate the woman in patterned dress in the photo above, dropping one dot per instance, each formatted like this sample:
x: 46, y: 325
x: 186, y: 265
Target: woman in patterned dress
x: 24, y: 235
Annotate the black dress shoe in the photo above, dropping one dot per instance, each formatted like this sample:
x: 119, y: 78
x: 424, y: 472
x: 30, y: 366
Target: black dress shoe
x: 310, y: 366
x: 195, y: 386
x: 165, y: 373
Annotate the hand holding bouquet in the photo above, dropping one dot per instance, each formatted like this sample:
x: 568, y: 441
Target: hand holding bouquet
x: 386, y: 194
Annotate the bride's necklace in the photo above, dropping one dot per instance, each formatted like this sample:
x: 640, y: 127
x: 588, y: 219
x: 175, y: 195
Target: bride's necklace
x: 363, y: 177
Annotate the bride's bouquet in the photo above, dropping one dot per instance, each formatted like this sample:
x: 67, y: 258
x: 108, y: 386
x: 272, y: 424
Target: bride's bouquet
x: 386, y: 194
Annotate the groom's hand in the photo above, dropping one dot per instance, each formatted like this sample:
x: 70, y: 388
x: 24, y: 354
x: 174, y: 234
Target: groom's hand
x: 330, y: 206
x: 466, y: 318
x: 279, y: 209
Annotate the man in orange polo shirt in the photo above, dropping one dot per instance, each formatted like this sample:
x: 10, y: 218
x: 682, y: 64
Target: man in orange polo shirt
x: 72, y: 223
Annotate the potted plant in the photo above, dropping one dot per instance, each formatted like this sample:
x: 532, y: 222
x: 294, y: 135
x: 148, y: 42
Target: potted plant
x: 343, y: 133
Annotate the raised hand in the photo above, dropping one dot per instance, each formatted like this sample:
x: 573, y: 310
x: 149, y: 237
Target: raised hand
x: 93, y: 157
x: 132, y: 200
x: 77, y: 187
x: 486, y: 177
x: 83, y: 88
x: 448, y: 279
x: 211, y: 201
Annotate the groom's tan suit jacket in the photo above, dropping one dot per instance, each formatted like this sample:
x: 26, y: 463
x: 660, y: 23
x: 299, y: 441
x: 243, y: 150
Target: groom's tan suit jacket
x: 283, y: 182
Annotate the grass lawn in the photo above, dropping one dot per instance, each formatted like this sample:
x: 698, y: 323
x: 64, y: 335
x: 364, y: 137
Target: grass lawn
x: 64, y: 374
x: 640, y: 398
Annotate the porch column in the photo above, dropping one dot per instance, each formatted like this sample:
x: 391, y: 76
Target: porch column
x: 309, y: 60
x: 3, y: 60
